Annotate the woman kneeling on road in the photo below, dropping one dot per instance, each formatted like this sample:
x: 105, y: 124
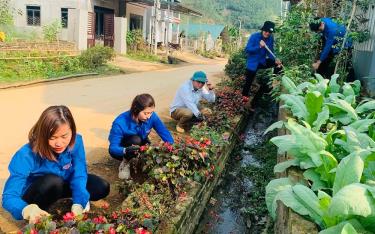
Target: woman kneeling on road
x: 130, y: 130
x: 50, y: 167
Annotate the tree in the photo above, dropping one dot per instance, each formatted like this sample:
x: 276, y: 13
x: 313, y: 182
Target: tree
x: 6, y: 12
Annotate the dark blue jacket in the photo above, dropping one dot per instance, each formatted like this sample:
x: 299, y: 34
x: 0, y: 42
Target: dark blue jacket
x: 255, y: 54
x: 334, y: 35
x: 124, y: 125
x: 26, y: 166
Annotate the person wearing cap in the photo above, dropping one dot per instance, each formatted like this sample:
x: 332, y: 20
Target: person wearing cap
x: 185, y: 107
x: 333, y: 35
x: 258, y: 57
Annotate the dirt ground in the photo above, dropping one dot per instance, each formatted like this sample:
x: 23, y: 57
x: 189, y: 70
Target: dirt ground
x: 94, y: 102
x: 185, y: 58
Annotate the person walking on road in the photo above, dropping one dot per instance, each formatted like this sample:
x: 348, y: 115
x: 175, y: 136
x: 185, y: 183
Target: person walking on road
x: 130, y: 130
x: 260, y: 55
x: 50, y: 167
x: 185, y: 108
x: 333, y: 35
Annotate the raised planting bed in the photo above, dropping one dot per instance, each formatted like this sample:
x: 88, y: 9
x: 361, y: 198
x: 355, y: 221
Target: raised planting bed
x: 327, y: 144
x: 171, y: 183
x: 287, y: 221
x: 187, y: 213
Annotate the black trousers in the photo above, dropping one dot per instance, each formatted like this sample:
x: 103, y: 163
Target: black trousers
x: 47, y: 189
x: 250, y: 76
x: 133, y: 140
x: 327, y: 67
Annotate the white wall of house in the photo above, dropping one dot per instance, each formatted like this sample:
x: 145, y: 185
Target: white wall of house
x: 164, y: 32
x: 49, y: 12
x: 142, y: 11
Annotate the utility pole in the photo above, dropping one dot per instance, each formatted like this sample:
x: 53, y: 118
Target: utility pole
x: 167, y: 24
x: 156, y: 16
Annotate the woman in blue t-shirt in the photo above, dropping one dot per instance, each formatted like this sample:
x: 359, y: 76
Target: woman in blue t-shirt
x: 130, y: 130
x: 50, y: 167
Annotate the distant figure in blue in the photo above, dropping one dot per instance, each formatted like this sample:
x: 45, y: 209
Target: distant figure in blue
x: 130, y: 130
x: 50, y: 167
x: 333, y: 35
x: 258, y: 57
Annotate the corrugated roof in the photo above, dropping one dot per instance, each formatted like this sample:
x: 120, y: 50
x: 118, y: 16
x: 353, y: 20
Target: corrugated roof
x: 195, y: 30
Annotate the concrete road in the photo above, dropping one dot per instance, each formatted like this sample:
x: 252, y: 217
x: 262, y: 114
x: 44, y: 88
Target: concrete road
x: 95, y: 102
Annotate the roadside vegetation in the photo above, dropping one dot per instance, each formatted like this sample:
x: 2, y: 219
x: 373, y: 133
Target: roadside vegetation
x: 24, y: 68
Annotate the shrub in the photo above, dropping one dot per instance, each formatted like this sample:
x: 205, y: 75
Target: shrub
x: 71, y: 64
x: 96, y: 56
x: 295, y: 44
x: 50, y: 31
x: 6, y: 12
x: 134, y: 40
x: 236, y: 65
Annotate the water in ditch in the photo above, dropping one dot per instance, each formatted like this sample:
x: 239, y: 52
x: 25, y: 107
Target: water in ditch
x: 237, y: 204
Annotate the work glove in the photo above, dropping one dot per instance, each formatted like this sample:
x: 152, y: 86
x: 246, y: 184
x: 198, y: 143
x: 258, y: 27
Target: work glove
x: 77, y: 209
x: 131, y: 151
x: 33, y: 213
x: 206, y: 112
x: 200, y: 118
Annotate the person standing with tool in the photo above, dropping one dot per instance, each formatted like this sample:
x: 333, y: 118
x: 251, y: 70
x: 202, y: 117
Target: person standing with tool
x: 333, y: 35
x: 260, y: 55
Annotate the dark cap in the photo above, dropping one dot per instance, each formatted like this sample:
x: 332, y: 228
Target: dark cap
x: 268, y: 26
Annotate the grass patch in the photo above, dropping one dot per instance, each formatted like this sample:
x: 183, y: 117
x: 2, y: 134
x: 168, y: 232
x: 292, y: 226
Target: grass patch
x: 92, y: 60
x: 30, y: 70
x: 144, y: 56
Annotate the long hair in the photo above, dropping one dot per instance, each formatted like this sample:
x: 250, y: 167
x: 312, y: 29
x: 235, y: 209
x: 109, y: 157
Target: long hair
x: 49, y: 121
x: 141, y: 102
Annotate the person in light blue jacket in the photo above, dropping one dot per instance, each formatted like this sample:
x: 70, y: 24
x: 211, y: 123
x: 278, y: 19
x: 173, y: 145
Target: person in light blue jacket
x: 258, y: 57
x: 130, y: 130
x: 185, y: 107
x: 50, y: 167
x: 333, y: 34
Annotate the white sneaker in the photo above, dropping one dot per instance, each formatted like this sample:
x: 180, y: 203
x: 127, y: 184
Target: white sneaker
x: 179, y: 129
x: 124, y: 170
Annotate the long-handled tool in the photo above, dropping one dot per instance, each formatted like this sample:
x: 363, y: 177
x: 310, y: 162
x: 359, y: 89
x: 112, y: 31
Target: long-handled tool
x: 268, y: 49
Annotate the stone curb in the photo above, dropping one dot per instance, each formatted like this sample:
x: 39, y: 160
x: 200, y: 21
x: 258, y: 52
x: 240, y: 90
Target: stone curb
x: 186, y: 215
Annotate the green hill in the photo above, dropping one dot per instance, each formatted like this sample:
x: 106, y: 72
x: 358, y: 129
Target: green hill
x: 251, y: 13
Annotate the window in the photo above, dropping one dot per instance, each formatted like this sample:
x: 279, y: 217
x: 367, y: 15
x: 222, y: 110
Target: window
x: 33, y: 15
x: 136, y: 22
x: 64, y: 17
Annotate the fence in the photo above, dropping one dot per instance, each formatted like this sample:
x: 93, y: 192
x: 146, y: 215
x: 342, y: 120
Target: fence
x: 18, y: 50
x: 196, y: 45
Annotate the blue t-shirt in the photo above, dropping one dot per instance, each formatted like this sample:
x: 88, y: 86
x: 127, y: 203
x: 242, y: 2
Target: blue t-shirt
x: 124, y: 125
x: 26, y: 166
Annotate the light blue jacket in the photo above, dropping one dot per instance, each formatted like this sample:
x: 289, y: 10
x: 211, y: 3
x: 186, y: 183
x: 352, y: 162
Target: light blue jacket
x: 255, y: 54
x: 334, y: 35
x: 26, y: 166
x: 187, y: 97
x: 124, y: 125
